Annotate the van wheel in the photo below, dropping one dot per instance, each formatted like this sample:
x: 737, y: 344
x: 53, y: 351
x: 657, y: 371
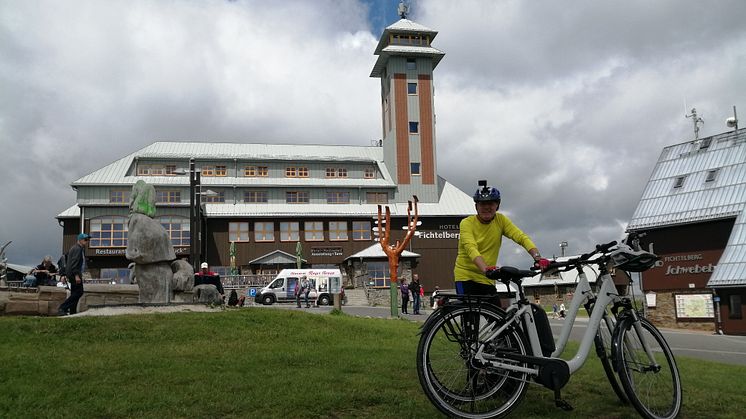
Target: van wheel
x: 324, y: 300
x: 267, y: 300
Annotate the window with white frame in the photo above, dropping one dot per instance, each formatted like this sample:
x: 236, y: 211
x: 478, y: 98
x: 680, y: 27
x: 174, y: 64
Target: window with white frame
x: 108, y: 232
x: 314, y: 231
x: 238, y: 231
x: 338, y: 230
x: 369, y: 173
x: 264, y: 231
x: 289, y: 231
x: 414, y: 169
x: 414, y: 127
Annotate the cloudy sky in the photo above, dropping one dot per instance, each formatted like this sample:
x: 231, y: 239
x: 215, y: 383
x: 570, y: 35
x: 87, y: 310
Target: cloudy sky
x: 564, y: 106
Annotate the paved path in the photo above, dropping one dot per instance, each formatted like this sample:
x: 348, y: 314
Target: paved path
x: 691, y: 344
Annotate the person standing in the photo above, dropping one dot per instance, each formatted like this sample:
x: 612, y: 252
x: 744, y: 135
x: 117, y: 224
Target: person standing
x: 404, y: 288
x: 414, y: 288
x: 75, y: 268
x: 480, y: 238
x: 303, y: 287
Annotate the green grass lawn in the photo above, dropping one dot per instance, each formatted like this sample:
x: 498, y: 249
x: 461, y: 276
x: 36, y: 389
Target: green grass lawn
x: 270, y: 363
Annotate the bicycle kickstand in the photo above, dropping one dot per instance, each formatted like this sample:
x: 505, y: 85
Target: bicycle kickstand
x: 562, y: 404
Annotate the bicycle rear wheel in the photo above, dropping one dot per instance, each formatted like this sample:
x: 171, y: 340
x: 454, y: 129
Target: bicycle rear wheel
x: 654, y: 388
x: 454, y: 380
x: 603, y: 350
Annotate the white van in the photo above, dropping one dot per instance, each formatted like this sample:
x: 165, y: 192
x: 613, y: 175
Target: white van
x: 282, y: 288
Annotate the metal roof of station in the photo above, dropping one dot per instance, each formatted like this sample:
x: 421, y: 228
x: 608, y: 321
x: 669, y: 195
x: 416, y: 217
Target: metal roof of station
x: 699, y: 181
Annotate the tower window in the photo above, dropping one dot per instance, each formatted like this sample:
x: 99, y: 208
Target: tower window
x: 412, y: 88
x: 414, y: 168
x: 414, y: 127
x: 411, y: 64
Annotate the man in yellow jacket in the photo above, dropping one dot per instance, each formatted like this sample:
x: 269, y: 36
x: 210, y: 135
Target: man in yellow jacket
x: 480, y: 240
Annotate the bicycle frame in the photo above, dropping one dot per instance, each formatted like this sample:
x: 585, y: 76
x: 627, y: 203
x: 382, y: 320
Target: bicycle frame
x: 583, y: 293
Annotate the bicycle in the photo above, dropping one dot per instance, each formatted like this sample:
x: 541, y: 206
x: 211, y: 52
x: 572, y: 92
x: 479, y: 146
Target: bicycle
x: 475, y: 360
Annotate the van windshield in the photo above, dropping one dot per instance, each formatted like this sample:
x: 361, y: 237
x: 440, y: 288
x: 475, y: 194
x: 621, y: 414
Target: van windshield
x: 277, y: 283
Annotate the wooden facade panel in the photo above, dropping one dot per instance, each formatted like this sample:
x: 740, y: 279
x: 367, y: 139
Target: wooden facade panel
x: 402, y: 129
x: 427, y: 142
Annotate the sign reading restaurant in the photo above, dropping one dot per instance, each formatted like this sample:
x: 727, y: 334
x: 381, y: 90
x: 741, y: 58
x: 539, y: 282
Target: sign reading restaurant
x: 120, y: 251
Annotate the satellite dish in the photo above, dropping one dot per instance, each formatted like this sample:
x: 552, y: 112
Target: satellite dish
x: 731, y: 122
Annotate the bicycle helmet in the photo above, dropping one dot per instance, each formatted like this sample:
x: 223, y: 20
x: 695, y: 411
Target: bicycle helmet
x: 628, y: 259
x: 486, y: 193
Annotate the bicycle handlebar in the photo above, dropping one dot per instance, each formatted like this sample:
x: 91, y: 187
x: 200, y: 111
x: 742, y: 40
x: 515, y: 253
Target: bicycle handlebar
x: 583, y: 259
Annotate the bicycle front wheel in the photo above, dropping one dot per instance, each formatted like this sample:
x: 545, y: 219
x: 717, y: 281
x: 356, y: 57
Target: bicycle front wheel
x: 454, y: 380
x: 652, y: 385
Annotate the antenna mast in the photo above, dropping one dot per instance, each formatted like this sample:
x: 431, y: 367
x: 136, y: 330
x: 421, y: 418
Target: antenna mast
x: 403, y: 10
x: 697, y: 120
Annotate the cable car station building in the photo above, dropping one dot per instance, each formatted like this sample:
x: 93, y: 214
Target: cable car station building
x: 267, y: 198
x: 693, y: 211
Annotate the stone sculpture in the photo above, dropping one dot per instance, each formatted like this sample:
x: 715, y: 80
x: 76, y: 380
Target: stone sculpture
x: 158, y: 272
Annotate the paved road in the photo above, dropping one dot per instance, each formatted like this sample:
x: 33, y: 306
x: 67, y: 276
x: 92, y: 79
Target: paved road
x: 692, y: 344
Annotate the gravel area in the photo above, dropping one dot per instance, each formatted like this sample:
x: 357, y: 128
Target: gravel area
x: 138, y: 309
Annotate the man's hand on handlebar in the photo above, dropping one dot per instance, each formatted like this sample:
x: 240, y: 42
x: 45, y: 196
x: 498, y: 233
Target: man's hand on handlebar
x: 492, y: 272
x: 542, y: 264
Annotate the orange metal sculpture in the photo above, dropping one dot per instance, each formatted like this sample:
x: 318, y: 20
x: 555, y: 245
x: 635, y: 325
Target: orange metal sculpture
x: 393, y: 251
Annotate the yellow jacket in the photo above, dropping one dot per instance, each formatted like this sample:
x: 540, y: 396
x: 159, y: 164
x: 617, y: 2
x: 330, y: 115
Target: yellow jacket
x: 478, y: 239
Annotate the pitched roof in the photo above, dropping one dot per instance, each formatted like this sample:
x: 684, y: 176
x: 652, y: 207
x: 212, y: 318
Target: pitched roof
x: 700, y: 181
x: 451, y: 201
x: 375, y: 251
x: 116, y: 173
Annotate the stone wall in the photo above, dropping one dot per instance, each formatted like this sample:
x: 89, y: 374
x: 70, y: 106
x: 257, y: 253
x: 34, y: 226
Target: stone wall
x: 664, y: 314
x: 45, y: 301
x: 41, y: 301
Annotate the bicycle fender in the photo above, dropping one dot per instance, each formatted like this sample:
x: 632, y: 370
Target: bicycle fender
x: 623, y: 323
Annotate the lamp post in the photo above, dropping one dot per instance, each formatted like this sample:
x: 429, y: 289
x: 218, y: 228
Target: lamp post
x: 562, y: 246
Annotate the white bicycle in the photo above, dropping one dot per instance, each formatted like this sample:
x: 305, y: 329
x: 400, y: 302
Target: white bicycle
x: 475, y: 360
